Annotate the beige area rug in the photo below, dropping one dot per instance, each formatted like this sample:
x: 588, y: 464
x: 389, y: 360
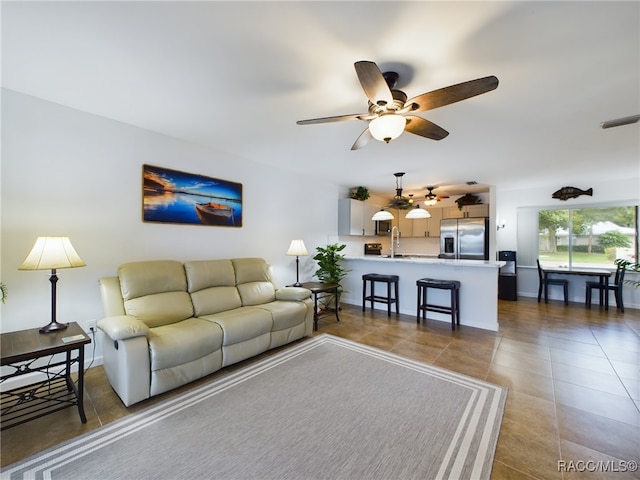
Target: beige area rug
x: 326, y: 408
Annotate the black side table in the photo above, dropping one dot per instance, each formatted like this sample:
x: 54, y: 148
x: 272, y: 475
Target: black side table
x: 20, y: 352
x: 319, y: 287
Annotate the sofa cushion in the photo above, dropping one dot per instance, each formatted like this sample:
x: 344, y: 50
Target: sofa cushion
x: 160, y: 308
x: 242, y: 324
x: 251, y: 270
x: 155, y: 291
x: 209, y: 273
x: 286, y: 314
x: 183, y: 342
x: 211, y: 284
x: 214, y: 300
x: 138, y: 279
x: 256, y: 293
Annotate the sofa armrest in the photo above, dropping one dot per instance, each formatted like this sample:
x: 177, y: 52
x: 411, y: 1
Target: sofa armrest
x: 293, y: 294
x: 121, y: 327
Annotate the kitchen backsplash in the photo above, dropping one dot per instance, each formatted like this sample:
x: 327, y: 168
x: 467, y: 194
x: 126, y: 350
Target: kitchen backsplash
x: 424, y: 246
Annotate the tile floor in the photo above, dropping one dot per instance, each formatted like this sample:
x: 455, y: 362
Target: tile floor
x: 572, y: 373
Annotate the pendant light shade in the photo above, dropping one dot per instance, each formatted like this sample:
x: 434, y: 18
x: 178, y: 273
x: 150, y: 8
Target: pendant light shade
x: 387, y: 127
x: 417, y: 213
x: 382, y: 215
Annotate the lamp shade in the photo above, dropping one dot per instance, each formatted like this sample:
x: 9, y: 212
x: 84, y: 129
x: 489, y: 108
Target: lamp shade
x: 50, y: 253
x: 387, y: 127
x: 297, y: 248
x: 417, y: 213
x: 382, y: 215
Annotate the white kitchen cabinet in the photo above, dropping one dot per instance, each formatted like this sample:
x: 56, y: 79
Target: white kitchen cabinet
x: 354, y: 217
x: 468, y: 211
x: 433, y: 225
x: 428, y: 227
x: 405, y: 226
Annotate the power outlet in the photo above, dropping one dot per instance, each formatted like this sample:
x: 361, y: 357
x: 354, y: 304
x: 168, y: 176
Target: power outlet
x: 91, y: 325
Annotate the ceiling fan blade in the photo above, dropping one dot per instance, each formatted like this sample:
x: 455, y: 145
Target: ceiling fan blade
x: 373, y: 83
x: 452, y: 94
x: 618, y: 122
x: 362, y: 140
x: 339, y: 118
x: 425, y: 128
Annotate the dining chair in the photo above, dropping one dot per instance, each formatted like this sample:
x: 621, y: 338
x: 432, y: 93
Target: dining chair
x: 551, y: 281
x: 615, y: 287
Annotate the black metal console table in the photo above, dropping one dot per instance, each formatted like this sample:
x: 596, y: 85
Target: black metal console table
x: 20, y: 354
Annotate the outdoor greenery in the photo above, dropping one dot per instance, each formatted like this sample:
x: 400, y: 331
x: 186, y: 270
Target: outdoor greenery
x: 582, y: 221
x: 330, y: 269
x: 613, y: 239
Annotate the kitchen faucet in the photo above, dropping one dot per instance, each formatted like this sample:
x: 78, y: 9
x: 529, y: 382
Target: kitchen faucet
x: 397, y: 240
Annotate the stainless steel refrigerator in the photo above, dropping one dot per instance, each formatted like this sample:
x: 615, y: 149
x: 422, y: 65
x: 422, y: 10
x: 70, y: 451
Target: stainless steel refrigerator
x: 465, y: 238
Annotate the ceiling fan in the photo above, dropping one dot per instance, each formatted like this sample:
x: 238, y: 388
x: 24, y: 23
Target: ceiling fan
x: 398, y: 201
x: 389, y: 112
x: 618, y: 122
x: 431, y: 198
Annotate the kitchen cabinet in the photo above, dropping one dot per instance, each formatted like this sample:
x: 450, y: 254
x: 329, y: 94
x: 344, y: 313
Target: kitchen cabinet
x: 428, y: 227
x: 420, y: 227
x: 405, y: 226
x: 354, y: 217
x: 468, y: 211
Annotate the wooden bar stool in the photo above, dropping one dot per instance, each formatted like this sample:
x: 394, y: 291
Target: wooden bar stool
x: 454, y: 307
x: 372, y: 278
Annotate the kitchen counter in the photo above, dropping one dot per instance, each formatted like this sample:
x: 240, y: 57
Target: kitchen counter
x: 429, y: 259
x: 478, y: 290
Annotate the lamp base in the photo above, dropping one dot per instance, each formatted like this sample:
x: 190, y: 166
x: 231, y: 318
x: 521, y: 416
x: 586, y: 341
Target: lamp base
x: 297, y: 284
x: 53, y: 327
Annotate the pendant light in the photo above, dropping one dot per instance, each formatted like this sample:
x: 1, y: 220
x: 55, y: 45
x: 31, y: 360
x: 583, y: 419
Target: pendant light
x: 417, y: 213
x: 382, y: 215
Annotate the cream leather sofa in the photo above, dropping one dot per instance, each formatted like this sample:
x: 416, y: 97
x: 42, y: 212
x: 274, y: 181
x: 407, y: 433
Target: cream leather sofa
x: 168, y: 323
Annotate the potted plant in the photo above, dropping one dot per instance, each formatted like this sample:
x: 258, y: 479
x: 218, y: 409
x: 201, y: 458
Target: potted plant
x: 330, y: 269
x: 629, y: 267
x: 3, y: 292
x: 360, y: 193
x: 468, y: 199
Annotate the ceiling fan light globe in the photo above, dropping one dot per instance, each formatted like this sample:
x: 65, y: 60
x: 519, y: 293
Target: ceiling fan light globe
x: 387, y: 127
x: 430, y: 201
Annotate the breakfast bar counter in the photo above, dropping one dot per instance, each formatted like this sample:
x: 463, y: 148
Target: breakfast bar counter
x: 478, y: 290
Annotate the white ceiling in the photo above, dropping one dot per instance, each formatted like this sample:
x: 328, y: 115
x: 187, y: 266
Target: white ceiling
x: 237, y: 75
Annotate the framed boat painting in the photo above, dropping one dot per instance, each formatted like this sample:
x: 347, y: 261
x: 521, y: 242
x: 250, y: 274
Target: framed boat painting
x: 171, y: 196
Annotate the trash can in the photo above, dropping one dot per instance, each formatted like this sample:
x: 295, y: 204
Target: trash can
x: 508, y: 276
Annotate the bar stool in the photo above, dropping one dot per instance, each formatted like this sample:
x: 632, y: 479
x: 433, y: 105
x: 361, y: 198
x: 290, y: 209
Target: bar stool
x: 454, y: 307
x: 388, y: 279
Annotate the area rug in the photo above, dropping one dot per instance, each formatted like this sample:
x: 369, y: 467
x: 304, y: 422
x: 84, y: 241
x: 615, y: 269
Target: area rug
x: 326, y: 408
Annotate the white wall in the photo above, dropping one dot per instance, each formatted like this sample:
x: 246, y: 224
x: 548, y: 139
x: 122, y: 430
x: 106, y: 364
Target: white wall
x: 65, y: 172
x: 510, y: 202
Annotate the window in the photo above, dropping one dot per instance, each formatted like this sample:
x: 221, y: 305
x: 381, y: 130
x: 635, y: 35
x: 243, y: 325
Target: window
x: 587, y: 237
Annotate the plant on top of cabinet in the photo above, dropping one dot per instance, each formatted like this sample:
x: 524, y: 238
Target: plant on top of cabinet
x: 468, y: 199
x: 360, y: 193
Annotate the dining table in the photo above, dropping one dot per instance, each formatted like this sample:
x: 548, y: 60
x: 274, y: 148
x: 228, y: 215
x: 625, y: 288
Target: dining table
x: 602, y: 274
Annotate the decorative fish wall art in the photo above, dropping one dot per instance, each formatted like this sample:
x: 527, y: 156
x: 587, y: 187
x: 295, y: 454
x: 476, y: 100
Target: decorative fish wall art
x: 565, y: 193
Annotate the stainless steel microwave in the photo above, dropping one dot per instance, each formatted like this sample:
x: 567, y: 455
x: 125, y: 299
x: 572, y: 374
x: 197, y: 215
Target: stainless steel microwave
x: 383, y: 227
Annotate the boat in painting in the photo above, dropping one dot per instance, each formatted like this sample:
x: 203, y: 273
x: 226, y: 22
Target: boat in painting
x: 214, y: 213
